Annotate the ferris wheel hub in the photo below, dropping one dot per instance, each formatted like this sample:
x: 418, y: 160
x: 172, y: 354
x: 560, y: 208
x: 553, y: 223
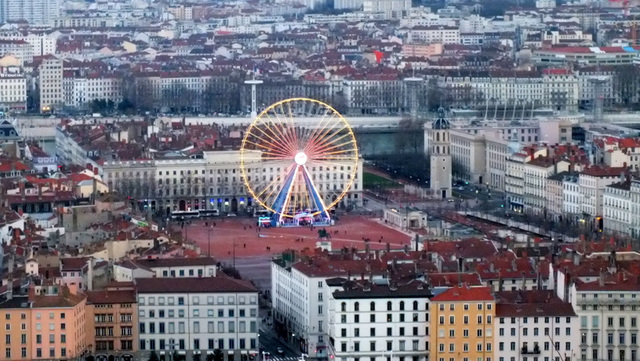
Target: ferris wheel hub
x: 300, y: 158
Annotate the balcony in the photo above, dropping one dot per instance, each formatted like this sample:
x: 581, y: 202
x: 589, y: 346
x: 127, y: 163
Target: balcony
x: 530, y: 351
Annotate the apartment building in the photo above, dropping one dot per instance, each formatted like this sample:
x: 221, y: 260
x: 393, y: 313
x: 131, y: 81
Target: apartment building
x: 514, y: 181
x: 465, y: 319
x: 48, y: 324
x: 198, y: 315
x: 112, y: 321
x: 376, y: 321
x: 536, y: 174
x: 50, y: 84
x: 42, y: 43
x: 592, y: 182
x: 468, y: 156
x: 392, y: 9
x: 35, y: 12
x: 213, y: 182
x: 13, y: 96
x: 617, y: 209
x: 434, y: 34
x: 82, y: 90
x: 535, y: 324
x: 604, y: 295
x: 20, y: 49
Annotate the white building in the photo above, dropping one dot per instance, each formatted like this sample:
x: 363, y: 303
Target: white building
x: 616, y: 208
x: 635, y: 208
x: 13, y: 96
x: 468, y: 156
x: 535, y: 325
x: 50, y: 84
x: 348, y: 4
x: 606, y: 298
x: 81, y: 91
x: 392, y: 9
x: 196, y: 315
x: 42, y: 43
x: 213, y: 182
x: 536, y: 173
x: 572, y: 197
x: 592, y: 182
x: 514, y: 181
x: 375, y: 321
x: 434, y: 34
x: 20, y: 49
x: 36, y: 12
x: 180, y: 267
x: 301, y: 297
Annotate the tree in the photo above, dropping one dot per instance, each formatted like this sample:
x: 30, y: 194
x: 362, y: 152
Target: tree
x: 410, y: 136
x: 625, y: 83
x: 218, y: 355
x: 153, y: 356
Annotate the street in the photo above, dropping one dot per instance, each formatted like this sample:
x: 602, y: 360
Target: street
x: 269, y: 342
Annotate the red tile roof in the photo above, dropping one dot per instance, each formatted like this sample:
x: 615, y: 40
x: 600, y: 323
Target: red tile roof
x: 464, y: 293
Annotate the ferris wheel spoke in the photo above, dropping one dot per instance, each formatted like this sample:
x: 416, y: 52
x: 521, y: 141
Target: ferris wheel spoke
x: 336, y: 148
x: 271, y: 183
x: 286, y: 129
x: 271, y: 151
x: 322, y: 131
x: 320, y: 126
x: 288, y: 116
x: 330, y: 143
x: 280, y: 144
x: 282, y: 130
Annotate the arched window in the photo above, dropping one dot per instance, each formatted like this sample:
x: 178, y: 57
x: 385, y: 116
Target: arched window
x: 356, y: 306
x: 437, y: 136
x: 415, y: 305
x: 438, y: 150
x: 401, y: 305
x: 372, y: 306
x: 389, y: 306
x: 344, y: 306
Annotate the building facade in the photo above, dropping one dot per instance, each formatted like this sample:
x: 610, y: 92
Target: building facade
x: 198, y: 315
x: 112, y: 322
x: 378, y: 322
x: 465, y: 330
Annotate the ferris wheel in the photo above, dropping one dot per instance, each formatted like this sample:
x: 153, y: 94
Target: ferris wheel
x: 299, y: 159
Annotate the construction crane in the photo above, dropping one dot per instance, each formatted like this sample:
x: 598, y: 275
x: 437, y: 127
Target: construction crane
x: 626, y: 12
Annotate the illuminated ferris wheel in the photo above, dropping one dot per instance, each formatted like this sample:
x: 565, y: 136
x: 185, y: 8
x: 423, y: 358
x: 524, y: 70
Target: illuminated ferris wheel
x: 299, y: 158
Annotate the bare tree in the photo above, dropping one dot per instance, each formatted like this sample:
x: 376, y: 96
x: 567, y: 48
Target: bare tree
x: 625, y: 83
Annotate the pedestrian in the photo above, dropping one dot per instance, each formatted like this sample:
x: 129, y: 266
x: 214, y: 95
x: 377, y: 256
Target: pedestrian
x: 245, y: 245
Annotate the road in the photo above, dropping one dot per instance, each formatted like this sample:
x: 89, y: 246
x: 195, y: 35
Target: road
x: 269, y: 342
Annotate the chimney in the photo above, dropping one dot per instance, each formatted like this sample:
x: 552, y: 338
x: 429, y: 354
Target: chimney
x: 89, y: 282
x: 72, y: 288
x: 576, y: 258
x: 39, y: 191
x: 601, y: 278
x: 22, y: 190
x: 32, y: 292
x: 10, y: 288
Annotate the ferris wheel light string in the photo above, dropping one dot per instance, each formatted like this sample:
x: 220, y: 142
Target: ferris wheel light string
x: 280, y: 143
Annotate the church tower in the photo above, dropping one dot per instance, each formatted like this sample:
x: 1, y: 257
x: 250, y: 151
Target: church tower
x: 440, y: 154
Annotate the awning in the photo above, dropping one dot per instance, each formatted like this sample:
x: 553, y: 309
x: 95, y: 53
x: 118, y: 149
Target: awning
x: 182, y: 352
x: 244, y: 352
x: 230, y: 352
x: 196, y: 352
x: 209, y: 352
x: 162, y: 352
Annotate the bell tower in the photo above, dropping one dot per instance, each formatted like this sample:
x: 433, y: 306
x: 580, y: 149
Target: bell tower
x: 440, y: 155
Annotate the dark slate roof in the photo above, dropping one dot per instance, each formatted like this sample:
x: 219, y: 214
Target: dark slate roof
x: 194, y: 285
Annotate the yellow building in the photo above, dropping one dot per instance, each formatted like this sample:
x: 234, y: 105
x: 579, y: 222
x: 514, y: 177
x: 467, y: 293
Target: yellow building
x: 463, y: 318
